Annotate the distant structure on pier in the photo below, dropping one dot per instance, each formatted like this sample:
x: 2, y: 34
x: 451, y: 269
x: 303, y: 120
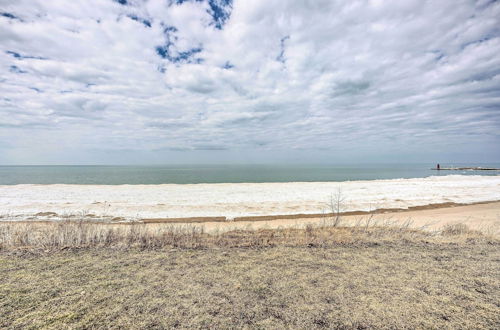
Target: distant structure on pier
x: 475, y: 168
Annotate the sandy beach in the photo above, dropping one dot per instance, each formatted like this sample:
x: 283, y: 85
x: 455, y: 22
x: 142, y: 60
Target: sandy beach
x: 484, y: 217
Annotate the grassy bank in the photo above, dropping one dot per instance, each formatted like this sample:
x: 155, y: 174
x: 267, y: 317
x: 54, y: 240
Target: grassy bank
x: 314, y: 278
x: 50, y: 236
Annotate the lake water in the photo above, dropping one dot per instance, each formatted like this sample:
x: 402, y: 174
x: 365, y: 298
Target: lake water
x: 186, y: 174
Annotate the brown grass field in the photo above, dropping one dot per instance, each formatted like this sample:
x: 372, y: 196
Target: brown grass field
x: 82, y: 275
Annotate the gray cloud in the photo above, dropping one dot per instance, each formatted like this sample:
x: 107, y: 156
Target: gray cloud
x: 107, y: 81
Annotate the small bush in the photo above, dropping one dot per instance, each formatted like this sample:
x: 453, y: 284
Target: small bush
x: 457, y: 229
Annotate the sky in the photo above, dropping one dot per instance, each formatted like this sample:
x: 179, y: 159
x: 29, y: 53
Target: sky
x: 261, y: 81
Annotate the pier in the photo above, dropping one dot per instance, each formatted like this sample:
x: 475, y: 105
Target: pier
x: 465, y: 169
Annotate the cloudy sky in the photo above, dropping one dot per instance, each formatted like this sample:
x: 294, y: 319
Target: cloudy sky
x: 164, y: 81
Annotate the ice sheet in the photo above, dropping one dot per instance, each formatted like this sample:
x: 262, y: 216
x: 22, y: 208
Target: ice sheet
x: 240, y: 199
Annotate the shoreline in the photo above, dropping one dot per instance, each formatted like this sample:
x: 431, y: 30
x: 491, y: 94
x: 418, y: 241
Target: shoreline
x: 431, y: 206
x: 257, y: 218
x: 482, y: 216
x: 240, y: 202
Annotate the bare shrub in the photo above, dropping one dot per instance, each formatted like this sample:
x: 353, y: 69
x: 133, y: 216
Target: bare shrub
x: 336, y: 205
x: 457, y: 229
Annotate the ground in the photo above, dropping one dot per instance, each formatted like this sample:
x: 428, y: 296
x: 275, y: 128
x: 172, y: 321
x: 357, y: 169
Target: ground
x: 391, y: 284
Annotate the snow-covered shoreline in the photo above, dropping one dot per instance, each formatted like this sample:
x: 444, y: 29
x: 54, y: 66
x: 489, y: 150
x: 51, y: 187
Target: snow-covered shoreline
x: 19, y: 202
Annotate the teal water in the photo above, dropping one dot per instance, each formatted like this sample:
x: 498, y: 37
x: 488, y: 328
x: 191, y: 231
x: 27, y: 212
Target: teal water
x: 183, y: 174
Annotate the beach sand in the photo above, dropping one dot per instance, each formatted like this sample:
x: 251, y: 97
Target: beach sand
x: 481, y: 216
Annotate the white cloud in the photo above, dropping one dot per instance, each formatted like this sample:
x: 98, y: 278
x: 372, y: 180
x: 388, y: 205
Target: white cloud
x: 352, y: 78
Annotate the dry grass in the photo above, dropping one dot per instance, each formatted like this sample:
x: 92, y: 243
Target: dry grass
x: 160, y: 276
x: 63, y: 235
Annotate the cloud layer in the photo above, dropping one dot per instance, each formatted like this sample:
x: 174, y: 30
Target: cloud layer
x: 130, y: 81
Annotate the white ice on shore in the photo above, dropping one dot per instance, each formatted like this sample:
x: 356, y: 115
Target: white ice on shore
x: 240, y: 199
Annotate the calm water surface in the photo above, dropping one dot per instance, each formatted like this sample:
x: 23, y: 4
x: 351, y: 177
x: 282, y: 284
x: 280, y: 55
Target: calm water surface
x: 182, y: 174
